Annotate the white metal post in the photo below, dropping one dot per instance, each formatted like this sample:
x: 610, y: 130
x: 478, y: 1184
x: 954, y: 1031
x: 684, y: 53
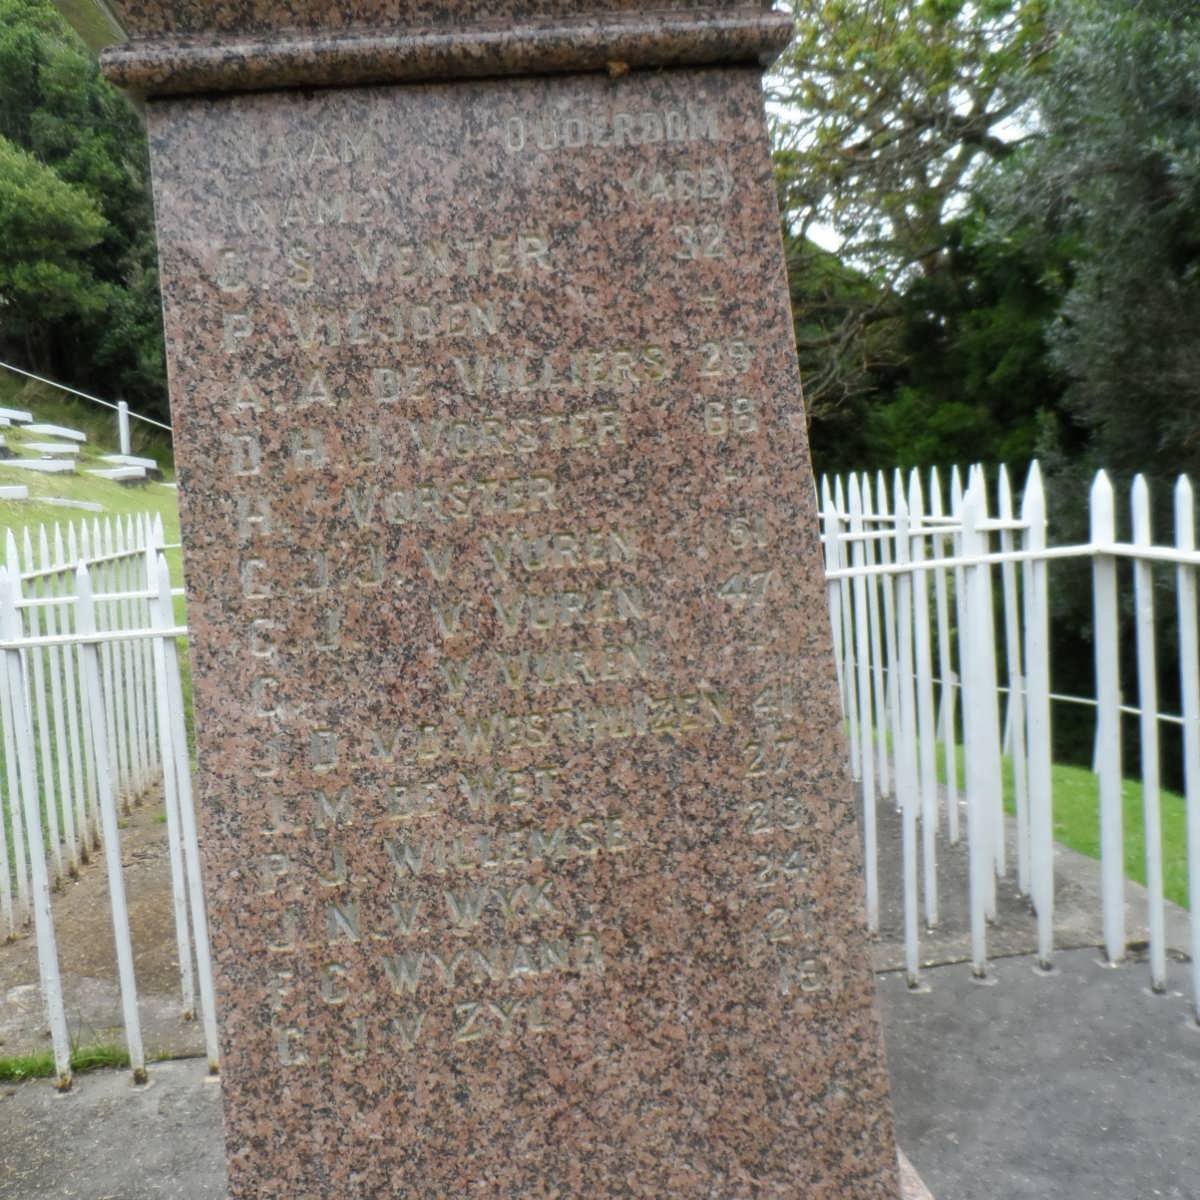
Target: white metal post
x: 866, y: 723
x: 906, y: 743
x: 1189, y: 680
x: 1147, y: 667
x: 1108, y: 718
x: 51, y: 588
x: 977, y: 735
x: 43, y: 922
x: 187, y: 814
x: 878, y: 684
x: 926, y: 732
x: 111, y: 838
x: 35, y: 679
x: 1015, y: 716
x: 829, y: 521
x: 171, y: 802
x: 1037, y: 715
x: 887, y: 526
x: 947, y: 720
x: 989, y: 697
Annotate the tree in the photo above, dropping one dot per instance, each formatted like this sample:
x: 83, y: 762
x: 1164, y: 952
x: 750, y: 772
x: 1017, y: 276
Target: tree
x: 1117, y: 163
x: 886, y: 113
x: 103, y: 329
x: 979, y: 385
x: 46, y: 225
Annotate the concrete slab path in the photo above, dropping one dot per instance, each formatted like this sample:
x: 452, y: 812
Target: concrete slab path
x: 1072, y: 1086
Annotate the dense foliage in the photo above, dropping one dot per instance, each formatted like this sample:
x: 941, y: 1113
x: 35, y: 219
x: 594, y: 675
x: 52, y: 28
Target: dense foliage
x: 1013, y: 188
x: 1117, y: 163
x: 78, y: 281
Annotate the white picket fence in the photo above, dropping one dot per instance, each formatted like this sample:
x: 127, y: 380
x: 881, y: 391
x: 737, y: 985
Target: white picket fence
x: 92, y: 709
x: 940, y: 614
x: 939, y: 599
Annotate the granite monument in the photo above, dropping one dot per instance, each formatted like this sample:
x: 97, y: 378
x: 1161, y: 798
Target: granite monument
x: 531, y: 857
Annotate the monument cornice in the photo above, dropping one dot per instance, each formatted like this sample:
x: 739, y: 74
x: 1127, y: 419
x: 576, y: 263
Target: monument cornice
x: 613, y: 42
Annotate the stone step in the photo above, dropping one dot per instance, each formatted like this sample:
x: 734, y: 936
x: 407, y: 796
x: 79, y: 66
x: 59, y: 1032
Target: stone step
x: 14, y: 491
x: 54, y: 449
x: 15, y: 416
x: 58, y: 431
x: 47, y: 466
x: 120, y: 474
x: 63, y: 502
x: 129, y: 460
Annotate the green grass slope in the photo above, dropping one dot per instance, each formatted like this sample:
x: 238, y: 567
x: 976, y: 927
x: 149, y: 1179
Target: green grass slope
x: 117, y: 500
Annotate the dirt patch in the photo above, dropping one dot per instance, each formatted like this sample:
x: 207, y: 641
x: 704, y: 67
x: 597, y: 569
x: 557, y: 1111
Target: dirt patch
x: 87, y: 953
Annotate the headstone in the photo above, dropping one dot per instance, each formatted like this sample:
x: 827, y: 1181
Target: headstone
x: 45, y: 466
x: 57, y: 431
x: 531, y: 856
x: 120, y: 474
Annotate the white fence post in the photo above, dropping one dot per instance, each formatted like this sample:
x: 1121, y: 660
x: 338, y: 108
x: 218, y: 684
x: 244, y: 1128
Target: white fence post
x: 35, y: 679
x: 886, y: 529
x: 980, y: 724
x: 1189, y: 682
x: 926, y: 733
x: 1037, y: 715
x: 878, y: 681
x: 111, y: 836
x: 17, y: 711
x: 868, y: 729
x: 1147, y: 666
x: 177, y: 740
x: 947, y: 721
x: 1108, y: 717
x: 906, y: 743
x: 1015, y: 715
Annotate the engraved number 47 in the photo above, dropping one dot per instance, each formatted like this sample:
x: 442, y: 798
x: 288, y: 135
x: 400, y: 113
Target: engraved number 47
x: 745, y: 587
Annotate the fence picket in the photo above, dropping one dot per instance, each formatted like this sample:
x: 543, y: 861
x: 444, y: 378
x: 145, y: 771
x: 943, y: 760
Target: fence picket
x: 906, y: 743
x: 981, y: 733
x: 1014, y: 720
x: 1147, y: 668
x: 926, y: 734
x: 878, y: 686
x: 16, y: 711
x: 948, y: 697
x: 1108, y: 717
x: 111, y: 836
x: 1037, y: 716
x: 163, y: 618
x: 1189, y: 681
x: 866, y: 722
x: 61, y: 795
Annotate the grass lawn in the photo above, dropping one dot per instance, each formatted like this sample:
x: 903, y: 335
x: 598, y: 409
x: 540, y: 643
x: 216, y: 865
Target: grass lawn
x: 1076, y: 793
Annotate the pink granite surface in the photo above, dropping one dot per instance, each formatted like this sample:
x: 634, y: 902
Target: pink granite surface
x: 614, y: 41
x: 532, y: 863
x: 174, y: 18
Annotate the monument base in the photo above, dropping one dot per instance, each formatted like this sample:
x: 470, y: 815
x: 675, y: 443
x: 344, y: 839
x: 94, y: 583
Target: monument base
x: 911, y: 1186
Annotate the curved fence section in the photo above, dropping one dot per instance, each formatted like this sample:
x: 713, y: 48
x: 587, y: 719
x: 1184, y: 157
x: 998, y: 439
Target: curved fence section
x: 940, y: 600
